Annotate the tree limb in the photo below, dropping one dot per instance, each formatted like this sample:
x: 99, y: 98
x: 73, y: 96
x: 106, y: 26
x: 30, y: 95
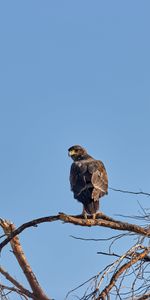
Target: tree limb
x: 19, y: 286
x: 101, y: 220
x: 39, y: 294
x: 117, y: 274
x: 13, y: 289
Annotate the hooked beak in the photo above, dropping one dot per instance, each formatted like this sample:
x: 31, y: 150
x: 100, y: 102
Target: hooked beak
x: 71, y: 152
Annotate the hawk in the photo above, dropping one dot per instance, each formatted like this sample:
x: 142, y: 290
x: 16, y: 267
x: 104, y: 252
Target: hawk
x: 88, y: 179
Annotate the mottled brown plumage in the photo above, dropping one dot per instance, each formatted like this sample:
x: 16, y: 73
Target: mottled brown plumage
x: 88, y: 179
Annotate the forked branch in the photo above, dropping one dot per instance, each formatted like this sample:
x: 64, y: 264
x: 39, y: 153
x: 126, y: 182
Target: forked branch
x: 137, y: 257
x: 38, y: 293
x: 19, y: 287
x: 101, y: 220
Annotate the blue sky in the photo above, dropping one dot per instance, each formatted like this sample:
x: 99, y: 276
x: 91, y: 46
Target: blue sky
x: 71, y: 72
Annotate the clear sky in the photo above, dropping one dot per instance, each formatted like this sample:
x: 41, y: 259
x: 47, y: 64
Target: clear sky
x: 71, y: 72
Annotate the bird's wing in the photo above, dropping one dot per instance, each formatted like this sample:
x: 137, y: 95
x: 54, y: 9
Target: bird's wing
x: 77, y: 178
x: 99, y: 178
x: 73, y: 176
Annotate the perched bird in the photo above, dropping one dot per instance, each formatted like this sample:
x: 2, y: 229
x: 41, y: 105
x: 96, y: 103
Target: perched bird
x: 88, y: 179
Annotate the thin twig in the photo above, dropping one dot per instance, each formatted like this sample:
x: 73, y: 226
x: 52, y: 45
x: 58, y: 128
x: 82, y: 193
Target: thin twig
x: 16, y: 283
x: 117, y: 274
x: 102, y: 240
x: 129, y: 192
x: 13, y: 289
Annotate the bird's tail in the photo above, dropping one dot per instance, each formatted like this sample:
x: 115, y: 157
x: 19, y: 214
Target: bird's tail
x: 92, y: 207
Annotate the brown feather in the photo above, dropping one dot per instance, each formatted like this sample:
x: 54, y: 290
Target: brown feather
x: 88, y: 179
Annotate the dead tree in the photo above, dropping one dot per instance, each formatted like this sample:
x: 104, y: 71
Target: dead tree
x: 111, y: 282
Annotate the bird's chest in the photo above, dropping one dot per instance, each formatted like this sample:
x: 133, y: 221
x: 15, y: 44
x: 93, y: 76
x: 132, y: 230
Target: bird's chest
x: 81, y: 167
x: 84, y: 166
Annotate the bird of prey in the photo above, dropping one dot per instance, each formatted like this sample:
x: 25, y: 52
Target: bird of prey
x: 88, y: 179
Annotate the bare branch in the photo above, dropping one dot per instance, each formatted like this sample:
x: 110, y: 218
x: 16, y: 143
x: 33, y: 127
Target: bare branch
x: 101, y: 220
x: 146, y: 258
x: 110, y: 254
x: 117, y: 274
x: 129, y: 192
x: 117, y: 271
x: 13, y: 289
x: 8, y: 228
x: 118, y: 236
x: 79, y: 286
x: 16, y: 283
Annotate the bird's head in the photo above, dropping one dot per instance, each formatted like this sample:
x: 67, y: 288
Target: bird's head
x: 77, y: 152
